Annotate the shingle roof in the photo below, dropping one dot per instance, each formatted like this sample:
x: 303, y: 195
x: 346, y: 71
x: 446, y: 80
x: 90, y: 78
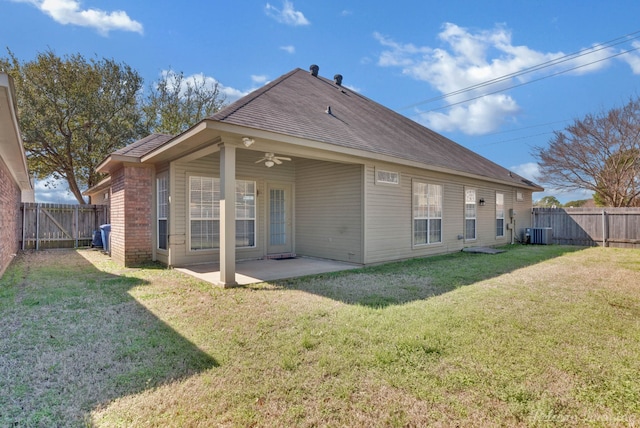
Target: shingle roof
x: 143, y: 146
x: 296, y: 104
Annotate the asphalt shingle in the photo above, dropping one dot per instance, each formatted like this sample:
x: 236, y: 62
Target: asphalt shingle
x: 296, y: 104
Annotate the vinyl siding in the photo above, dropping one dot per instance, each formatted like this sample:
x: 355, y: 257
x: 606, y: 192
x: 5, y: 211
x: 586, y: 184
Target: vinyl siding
x: 341, y: 213
x: 246, y: 169
x: 389, y: 233
x: 329, y: 210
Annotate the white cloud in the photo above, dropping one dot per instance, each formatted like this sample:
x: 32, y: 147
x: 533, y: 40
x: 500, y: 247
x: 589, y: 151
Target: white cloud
x: 529, y: 170
x: 259, y: 78
x: 633, y: 58
x: 288, y: 15
x: 50, y: 190
x: 469, y: 59
x: 476, y: 118
x: 69, y: 12
x: 289, y: 49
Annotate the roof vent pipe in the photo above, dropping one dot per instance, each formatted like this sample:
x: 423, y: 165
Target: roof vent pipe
x: 313, y: 69
x: 338, y: 79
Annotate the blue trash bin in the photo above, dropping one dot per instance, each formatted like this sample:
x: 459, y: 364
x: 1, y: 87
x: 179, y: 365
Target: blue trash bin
x: 96, y: 242
x: 105, y: 230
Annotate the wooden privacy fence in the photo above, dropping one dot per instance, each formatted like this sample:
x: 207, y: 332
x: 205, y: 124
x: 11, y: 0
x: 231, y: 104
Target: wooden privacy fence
x: 60, y: 226
x: 608, y: 227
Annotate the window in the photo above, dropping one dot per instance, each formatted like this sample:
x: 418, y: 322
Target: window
x: 204, y: 213
x: 519, y: 196
x: 499, y: 215
x: 162, y: 190
x: 427, y: 213
x: 245, y: 213
x: 470, y: 214
x: 387, y: 177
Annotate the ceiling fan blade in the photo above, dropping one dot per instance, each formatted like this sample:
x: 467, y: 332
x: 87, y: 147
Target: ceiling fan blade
x: 277, y: 160
x: 283, y: 158
x: 261, y: 160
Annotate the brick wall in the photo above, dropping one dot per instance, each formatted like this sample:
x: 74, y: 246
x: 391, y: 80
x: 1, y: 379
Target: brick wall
x: 131, y: 215
x: 9, y: 217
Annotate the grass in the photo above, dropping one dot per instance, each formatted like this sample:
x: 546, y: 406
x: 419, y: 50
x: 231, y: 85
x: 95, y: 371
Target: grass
x: 536, y: 336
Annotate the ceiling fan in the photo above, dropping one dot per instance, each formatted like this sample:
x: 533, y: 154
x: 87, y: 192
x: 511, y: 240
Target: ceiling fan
x: 271, y: 159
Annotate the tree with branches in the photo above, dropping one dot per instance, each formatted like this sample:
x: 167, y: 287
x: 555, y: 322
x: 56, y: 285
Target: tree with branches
x: 175, y: 102
x: 73, y: 112
x: 600, y: 153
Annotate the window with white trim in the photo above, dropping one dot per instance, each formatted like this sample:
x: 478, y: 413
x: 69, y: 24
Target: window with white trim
x: 470, y: 214
x: 245, y: 213
x: 204, y: 213
x: 499, y: 215
x: 427, y: 213
x: 387, y: 177
x: 162, y: 197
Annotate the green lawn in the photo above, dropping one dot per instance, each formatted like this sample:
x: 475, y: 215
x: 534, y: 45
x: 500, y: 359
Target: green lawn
x: 535, y: 336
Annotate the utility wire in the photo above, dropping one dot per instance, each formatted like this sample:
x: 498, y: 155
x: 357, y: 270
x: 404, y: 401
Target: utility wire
x: 534, y: 80
x: 587, y: 51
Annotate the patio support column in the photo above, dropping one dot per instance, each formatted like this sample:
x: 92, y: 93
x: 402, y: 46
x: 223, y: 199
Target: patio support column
x: 227, y: 215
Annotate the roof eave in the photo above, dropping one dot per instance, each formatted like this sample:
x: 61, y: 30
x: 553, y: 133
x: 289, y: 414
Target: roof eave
x: 12, y: 149
x: 222, y: 127
x: 114, y: 161
x: 102, y: 185
x: 166, y: 150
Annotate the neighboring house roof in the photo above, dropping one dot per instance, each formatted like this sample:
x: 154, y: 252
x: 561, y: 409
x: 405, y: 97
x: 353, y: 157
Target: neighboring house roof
x: 11, y: 148
x: 308, y: 106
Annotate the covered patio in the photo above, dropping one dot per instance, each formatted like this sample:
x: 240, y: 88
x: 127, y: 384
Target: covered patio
x: 256, y: 271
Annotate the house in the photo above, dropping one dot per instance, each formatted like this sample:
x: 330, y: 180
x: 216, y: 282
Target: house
x: 15, y: 183
x: 305, y: 166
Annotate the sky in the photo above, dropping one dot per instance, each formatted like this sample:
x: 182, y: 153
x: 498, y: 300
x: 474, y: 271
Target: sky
x: 498, y: 77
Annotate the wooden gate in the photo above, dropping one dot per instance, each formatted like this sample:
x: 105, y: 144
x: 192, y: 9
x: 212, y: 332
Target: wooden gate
x: 60, y: 226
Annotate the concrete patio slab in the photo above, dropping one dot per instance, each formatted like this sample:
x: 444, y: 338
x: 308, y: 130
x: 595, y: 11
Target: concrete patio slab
x: 254, y: 271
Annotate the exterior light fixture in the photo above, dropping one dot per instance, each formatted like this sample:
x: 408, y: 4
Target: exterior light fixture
x: 481, y: 201
x: 269, y: 163
x: 247, y: 141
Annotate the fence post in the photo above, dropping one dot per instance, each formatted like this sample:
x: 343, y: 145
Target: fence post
x: 77, y: 229
x: 37, y: 227
x: 605, y: 229
x: 24, y: 214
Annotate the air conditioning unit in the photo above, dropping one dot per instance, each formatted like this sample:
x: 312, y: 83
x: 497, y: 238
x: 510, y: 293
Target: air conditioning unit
x: 539, y: 235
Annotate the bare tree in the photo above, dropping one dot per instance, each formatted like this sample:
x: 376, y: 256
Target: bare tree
x: 598, y: 153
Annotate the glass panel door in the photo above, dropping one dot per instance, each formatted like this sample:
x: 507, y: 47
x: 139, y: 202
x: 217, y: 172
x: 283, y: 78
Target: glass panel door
x: 280, y: 221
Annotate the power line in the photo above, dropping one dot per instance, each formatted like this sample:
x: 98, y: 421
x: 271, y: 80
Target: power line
x: 511, y: 139
x: 534, y: 80
x: 541, y: 66
x: 517, y: 130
